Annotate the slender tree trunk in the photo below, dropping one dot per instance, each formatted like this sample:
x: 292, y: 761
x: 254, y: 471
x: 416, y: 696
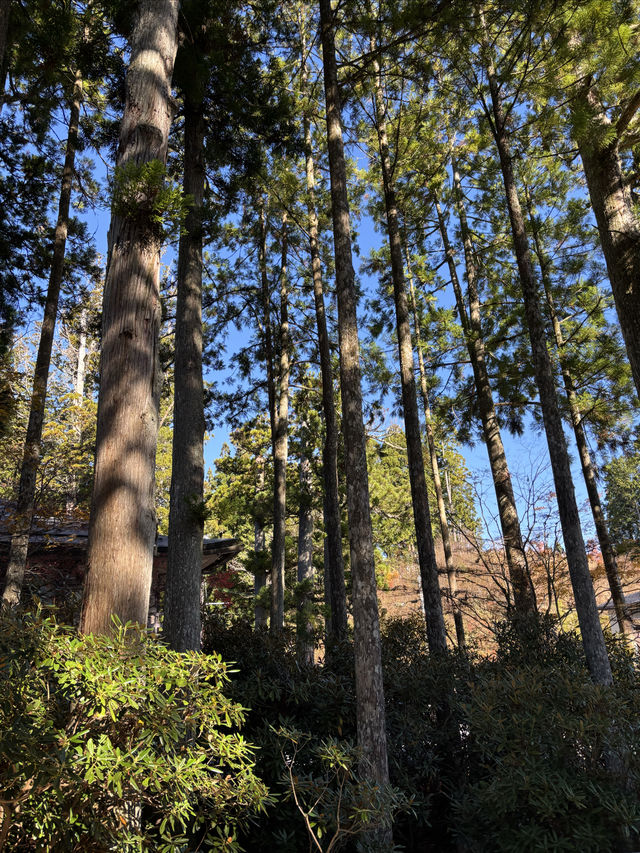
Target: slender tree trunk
x: 587, y: 609
x: 280, y: 454
x: 618, y: 226
x: 368, y: 665
x: 259, y: 546
x: 33, y: 441
x: 123, y: 518
x: 182, y: 620
x: 334, y: 563
x: 78, y: 390
x: 266, y: 319
x: 523, y: 593
x: 452, y: 576
x: 588, y: 471
x: 436, y: 632
x: 305, y: 562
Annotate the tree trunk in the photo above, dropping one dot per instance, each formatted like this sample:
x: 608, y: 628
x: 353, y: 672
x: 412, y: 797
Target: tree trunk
x: 452, y: 577
x: 266, y: 319
x: 334, y: 563
x: 182, y: 621
x: 280, y: 454
x: 368, y: 665
x: 33, y: 441
x: 588, y: 471
x: 618, y: 227
x: 586, y: 607
x: 123, y: 518
x: 524, y: 599
x: 436, y: 632
x: 305, y: 563
x: 259, y: 546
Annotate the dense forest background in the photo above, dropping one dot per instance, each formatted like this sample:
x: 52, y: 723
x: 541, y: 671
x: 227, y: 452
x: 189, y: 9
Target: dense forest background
x: 358, y: 240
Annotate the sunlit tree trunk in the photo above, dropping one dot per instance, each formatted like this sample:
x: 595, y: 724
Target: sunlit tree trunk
x: 618, y: 223
x: 123, y: 520
x: 588, y: 470
x: 33, y: 441
x: 586, y: 607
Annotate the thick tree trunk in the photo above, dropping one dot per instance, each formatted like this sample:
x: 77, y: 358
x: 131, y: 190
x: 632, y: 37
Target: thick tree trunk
x: 182, y: 621
x: 452, y: 576
x: 618, y: 227
x: 304, y: 624
x: 280, y: 454
x: 368, y: 666
x: 123, y: 518
x: 586, y: 607
x: 33, y: 441
x: 524, y: 599
x: 588, y: 471
x: 259, y: 546
x: 436, y: 632
x: 334, y: 563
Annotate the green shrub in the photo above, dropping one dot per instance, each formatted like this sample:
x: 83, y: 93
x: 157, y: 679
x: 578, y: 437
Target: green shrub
x: 117, y: 743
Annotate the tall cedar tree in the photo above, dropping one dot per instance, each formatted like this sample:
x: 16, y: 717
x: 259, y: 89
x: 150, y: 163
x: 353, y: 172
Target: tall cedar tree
x: 592, y: 637
x: 33, y: 441
x: 523, y: 593
x: 370, y: 710
x: 334, y: 562
x: 436, y: 632
x: 123, y: 519
x: 280, y: 451
x: 588, y: 468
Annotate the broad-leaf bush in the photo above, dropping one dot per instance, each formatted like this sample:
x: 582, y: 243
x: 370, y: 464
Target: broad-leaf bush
x: 517, y: 753
x: 117, y: 743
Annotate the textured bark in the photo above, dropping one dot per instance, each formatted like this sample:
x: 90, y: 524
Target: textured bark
x: 606, y: 548
x: 368, y: 664
x: 280, y: 450
x: 452, y: 576
x: 123, y: 519
x: 586, y: 607
x: 259, y: 546
x: 523, y: 593
x: 618, y: 227
x: 33, y: 441
x: 436, y: 632
x: 304, y: 625
x: 334, y: 563
x: 182, y: 621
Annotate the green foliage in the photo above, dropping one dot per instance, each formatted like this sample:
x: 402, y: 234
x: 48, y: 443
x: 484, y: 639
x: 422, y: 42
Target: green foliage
x: 141, y: 194
x: 521, y: 752
x: 332, y: 799
x: 622, y: 484
x: 116, y: 743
